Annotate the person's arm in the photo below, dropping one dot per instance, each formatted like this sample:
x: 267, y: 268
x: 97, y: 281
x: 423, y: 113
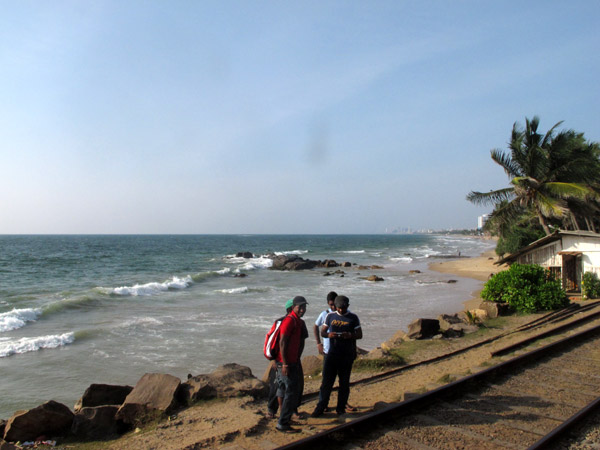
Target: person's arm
x: 318, y: 338
x: 284, y: 340
x: 357, y: 334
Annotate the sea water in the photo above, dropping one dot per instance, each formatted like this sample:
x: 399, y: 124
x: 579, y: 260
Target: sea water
x: 77, y: 310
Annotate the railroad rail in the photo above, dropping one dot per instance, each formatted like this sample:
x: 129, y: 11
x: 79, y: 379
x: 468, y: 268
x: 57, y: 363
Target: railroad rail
x: 527, y: 401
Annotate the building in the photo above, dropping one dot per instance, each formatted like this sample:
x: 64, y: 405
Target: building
x: 481, y: 221
x: 568, y: 254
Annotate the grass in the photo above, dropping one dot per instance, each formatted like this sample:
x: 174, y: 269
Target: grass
x: 446, y: 378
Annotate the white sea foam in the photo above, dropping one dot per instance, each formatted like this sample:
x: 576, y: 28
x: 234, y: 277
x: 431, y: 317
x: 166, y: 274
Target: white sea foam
x: 353, y: 251
x: 402, y: 259
x: 17, y: 318
x: 233, y: 291
x: 142, y: 321
x: 153, y: 288
x: 223, y: 271
x: 25, y: 345
x: 256, y: 263
x: 292, y: 252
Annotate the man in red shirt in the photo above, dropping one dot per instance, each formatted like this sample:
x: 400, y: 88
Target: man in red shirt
x: 288, y: 362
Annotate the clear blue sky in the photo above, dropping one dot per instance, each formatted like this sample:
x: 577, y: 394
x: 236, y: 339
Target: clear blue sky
x: 277, y: 117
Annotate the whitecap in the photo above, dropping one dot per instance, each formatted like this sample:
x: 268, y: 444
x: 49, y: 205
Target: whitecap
x: 256, y: 263
x: 152, y: 288
x: 142, y: 321
x: 292, y: 252
x: 233, y: 291
x: 25, y: 345
x: 402, y: 259
x: 353, y: 251
x: 17, y: 318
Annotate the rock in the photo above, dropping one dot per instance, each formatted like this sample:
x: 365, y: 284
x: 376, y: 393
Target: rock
x: 267, y: 376
x: 383, y: 405
x: 246, y: 255
x: 346, y: 264
x: 50, y: 419
x: 292, y: 262
x: 103, y: 394
x: 414, y: 271
x: 447, y: 320
x: 327, y: 274
x: 394, y: 341
x: 480, y: 314
x: 240, y: 275
x: 362, y: 268
x: 98, y: 422
x: 376, y: 267
x: 423, y: 328
x: 464, y: 328
x: 312, y: 365
x: 361, y: 351
x: 229, y: 380
x: 154, y: 395
x: 452, y: 281
x: 373, y: 278
x: 453, y: 332
x: 377, y: 353
x: 329, y: 263
x: 494, y: 309
x: 2, y: 427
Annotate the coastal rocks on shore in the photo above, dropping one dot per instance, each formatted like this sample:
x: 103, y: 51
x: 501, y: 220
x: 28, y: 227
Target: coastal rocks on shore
x: 101, y: 395
x: 372, y: 278
x: 423, y: 328
x: 395, y: 341
x: 97, y: 422
x: 51, y: 418
x: 494, y: 309
x: 154, y: 395
x: 293, y: 262
x: 246, y: 255
x: 229, y: 380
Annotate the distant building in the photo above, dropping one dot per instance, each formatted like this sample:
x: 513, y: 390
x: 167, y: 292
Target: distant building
x: 568, y: 254
x: 481, y: 221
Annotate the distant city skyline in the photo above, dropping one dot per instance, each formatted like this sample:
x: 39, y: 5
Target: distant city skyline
x: 285, y: 118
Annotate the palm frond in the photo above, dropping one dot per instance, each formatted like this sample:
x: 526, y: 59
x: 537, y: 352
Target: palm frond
x: 490, y: 198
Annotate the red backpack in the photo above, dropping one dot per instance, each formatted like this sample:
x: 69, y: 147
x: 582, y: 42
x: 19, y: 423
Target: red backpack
x: 271, y: 346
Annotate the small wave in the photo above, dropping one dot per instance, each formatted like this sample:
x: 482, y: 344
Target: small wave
x: 234, y: 290
x: 256, y: 263
x: 25, y: 345
x: 153, y: 288
x: 353, y: 252
x: 142, y: 321
x: 291, y: 252
x: 402, y: 259
x: 17, y: 318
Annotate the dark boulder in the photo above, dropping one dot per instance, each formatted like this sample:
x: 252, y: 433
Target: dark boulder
x: 98, y: 422
x: 446, y: 321
x: 423, y: 328
x: 346, y: 264
x: 49, y: 419
x: 246, y: 255
x: 329, y: 263
x: 103, y: 394
x: 494, y: 309
x: 292, y: 262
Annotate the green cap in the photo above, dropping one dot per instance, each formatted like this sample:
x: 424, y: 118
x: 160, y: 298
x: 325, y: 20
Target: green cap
x: 289, y: 303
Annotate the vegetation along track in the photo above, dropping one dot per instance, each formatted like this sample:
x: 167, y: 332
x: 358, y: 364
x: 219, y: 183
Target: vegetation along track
x: 527, y: 401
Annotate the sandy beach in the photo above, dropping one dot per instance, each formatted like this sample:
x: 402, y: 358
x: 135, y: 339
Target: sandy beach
x: 479, y: 268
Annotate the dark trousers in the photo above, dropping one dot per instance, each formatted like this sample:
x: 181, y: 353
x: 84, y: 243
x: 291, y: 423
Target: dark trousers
x: 288, y: 385
x: 339, y: 366
x: 272, y: 402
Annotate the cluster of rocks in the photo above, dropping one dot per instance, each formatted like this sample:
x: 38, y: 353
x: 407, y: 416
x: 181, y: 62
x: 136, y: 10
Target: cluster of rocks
x: 445, y: 326
x: 295, y: 262
x: 106, y: 411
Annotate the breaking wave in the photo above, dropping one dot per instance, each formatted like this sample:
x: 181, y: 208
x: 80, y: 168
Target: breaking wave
x: 153, y: 288
x: 25, y: 345
x: 18, y: 318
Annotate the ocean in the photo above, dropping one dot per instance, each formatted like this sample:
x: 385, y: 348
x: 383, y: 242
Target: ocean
x: 83, y: 309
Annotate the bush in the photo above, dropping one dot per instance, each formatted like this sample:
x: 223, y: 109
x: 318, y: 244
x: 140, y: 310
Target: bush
x: 526, y: 288
x: 590, y: 285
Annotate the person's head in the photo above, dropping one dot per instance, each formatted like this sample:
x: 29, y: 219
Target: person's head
x: 331, y: 300
x: 341, y: 303
x: 288, y: 305
x: 299, y: 305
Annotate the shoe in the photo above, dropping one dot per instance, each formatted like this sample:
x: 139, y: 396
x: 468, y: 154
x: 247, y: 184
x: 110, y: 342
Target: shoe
x: 287, y: 428
x: 350, y: 408
x: 299, y: 416
x: 271, y: 415
x: 318, y: 412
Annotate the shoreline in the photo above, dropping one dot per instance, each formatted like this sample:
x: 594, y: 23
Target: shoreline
x: 478, y: 268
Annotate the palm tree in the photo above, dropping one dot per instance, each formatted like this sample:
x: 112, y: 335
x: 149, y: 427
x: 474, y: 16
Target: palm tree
x: 545, y: 170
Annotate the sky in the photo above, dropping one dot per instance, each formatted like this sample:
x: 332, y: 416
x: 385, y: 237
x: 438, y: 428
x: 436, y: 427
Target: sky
x: 277, y: 117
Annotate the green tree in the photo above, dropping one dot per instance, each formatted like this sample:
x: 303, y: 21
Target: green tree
x: 546, y: 172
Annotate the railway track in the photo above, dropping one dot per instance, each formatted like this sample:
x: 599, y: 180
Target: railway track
x: 527, y: 401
